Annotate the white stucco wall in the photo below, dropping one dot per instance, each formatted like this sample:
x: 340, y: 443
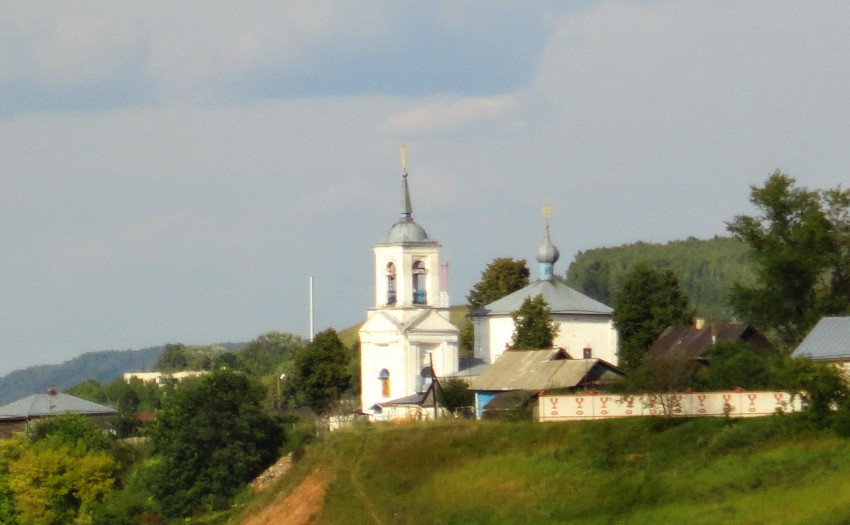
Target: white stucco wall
x: 493, y: 334
x: 403, y: 355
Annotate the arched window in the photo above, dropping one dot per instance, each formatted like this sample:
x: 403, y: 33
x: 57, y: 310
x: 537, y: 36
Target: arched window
x: 419, y: 295
x: 391, y: 296
x: 426, y: 377
x: 384, y: 378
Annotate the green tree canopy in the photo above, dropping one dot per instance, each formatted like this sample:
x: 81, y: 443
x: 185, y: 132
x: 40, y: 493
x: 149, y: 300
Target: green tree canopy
x: 56, y: 475
x: 210, y: 438
x: 502, y: 277
x: 267, y: 353
x: 649, y: 302
x: 321, y: 371
x: 800, y: 244
x: 533, y: 327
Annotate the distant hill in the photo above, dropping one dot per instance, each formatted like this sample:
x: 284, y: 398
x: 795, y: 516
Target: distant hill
x: 102, y: 366
x: 706, y: 270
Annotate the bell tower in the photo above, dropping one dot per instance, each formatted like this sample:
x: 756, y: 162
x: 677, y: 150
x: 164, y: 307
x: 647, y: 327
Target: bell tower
x: 408, y: 324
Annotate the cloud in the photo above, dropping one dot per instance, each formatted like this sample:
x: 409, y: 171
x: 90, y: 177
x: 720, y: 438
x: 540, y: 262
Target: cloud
x: 447, y: 113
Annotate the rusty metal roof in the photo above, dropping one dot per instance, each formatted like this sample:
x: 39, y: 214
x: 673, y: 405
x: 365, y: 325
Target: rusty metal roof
x: 829, y: 340
x: 541, y: 370
x: 690, y: 342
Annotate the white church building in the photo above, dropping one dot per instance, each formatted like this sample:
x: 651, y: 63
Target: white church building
x: 408, y: 329
x: 585, y: 326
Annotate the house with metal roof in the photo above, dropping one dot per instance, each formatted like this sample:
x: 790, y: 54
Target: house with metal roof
x: 17, y: 415
x: 828, y: 341
x: 693, y: 341
x: 585, y: 326
x: 523, y: 374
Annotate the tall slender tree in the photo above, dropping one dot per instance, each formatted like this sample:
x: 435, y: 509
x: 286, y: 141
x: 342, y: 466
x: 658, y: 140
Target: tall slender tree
x: 533, y: 326
x: 649, y: 302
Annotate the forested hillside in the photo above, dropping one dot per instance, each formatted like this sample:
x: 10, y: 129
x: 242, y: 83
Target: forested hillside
x: 102, y: 367
x: 706, y: 270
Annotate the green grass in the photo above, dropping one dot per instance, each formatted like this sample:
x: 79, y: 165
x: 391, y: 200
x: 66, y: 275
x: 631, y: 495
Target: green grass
x: 773, y: 470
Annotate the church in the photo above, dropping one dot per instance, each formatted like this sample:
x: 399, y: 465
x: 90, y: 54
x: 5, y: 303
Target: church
x: 408, y: 338
x: 585, y: 326
x: 408, y: 331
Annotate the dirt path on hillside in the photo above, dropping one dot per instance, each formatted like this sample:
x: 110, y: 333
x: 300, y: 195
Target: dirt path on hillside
x: 301, y: 507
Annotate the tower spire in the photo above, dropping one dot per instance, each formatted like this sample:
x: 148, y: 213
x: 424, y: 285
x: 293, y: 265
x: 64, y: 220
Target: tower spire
x: 407, y: 209
x: 547, y: 254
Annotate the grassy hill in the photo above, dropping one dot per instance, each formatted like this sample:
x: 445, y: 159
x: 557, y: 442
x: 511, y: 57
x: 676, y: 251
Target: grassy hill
x: 776, y: 470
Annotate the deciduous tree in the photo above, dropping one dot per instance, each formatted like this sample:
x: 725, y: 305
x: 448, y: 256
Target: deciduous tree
x: 210, y: 438
x: 800, y: 244
x: 533, y: 327
x: 502, y: 277
x: 649, y: 302
x: 321, y: 371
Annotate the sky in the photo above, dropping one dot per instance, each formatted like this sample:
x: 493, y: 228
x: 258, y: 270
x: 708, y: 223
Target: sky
x: 176, y: 171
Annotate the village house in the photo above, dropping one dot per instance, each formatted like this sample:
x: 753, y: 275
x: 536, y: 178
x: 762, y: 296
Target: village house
x: 518, y: 376
x: 691, y: 342
x: 829, y: 341
x: 18, y: 415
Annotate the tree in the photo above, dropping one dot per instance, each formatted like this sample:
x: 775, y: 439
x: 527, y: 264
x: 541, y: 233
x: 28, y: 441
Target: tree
x: 321, y: 371
x: 454, y: 393
x: 502, y: 277
x: 800, y: 245
x: 55, y: 477
x: 533, y: 327
x: 649, y: 302
x: 265, y: 354
x: 209, y: 439
x: 734, y: 364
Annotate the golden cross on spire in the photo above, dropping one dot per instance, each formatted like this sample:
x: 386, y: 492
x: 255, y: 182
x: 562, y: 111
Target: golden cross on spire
x: 547, y: 211
x: 404, y: 159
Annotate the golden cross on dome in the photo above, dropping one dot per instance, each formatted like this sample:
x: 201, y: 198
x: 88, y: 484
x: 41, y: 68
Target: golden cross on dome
x: 547, y: 211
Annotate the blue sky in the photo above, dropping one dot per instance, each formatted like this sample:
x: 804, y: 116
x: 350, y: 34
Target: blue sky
x: 174, y: 173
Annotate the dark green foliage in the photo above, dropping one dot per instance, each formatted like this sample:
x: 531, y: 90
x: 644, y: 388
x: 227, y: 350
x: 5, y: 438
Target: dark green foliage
x: 466, y: 340
x: 648, y: 303
x: 454, y: 393
x: 210, y: 438
x: 800, y: 245
x: 652, y: 375
x: 502, y: 277
x: 269, y: 353
x: 736, y: 364
x: 533, y: 327
x: 128, y: 397
x: 706, y: 269
x: 320, y: 372
x: 73, y: 430
x: 821, y: 385
x: 178, y: 357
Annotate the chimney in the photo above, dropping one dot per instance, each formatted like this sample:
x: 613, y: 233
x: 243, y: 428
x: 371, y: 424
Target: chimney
x: 51, y: 390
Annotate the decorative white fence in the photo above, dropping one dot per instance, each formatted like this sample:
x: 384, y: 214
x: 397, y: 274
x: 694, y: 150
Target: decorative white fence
x: 737, y: 403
